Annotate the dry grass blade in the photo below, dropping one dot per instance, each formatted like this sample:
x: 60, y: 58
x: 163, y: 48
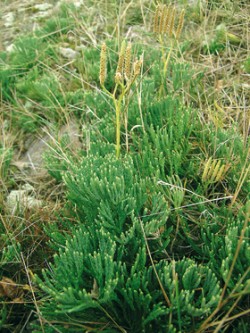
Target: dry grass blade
x: 155, y: 271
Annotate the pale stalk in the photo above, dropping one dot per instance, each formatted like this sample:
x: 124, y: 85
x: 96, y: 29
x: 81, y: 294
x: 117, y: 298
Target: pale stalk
x: 117, y: 103
x: 168, y: 59
x: 118, y: 127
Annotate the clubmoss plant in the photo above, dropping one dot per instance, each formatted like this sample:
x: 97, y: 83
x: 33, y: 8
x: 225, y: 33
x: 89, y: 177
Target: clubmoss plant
x: 124, y: 80
x: 158, y: 239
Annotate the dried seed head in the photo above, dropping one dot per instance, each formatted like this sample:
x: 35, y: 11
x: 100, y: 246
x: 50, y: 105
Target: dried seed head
x: 103, y: 64
x: 167, y: 17
x: 180, y: 25
x: 162, y: 19
x: 118, y: 78
x: 220, y: 173
x: 128, y: 62
x: 206, y: 169
x: 156, y: 19
x: 137, y: 67
x: 120, y: 65
x: 211, y: 170
x: 215, y: 171
x: 171, y: 23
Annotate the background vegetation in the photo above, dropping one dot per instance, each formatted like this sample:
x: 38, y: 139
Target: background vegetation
x: 157, y: 238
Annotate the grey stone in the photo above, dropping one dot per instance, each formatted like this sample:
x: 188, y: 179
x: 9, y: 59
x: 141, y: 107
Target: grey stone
x: 19, y: 200
x: 68, y: 53
x: 33, y: 159
x: 9, y: 19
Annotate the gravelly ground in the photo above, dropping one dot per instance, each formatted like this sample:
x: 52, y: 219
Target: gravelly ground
x: 17, y: 17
